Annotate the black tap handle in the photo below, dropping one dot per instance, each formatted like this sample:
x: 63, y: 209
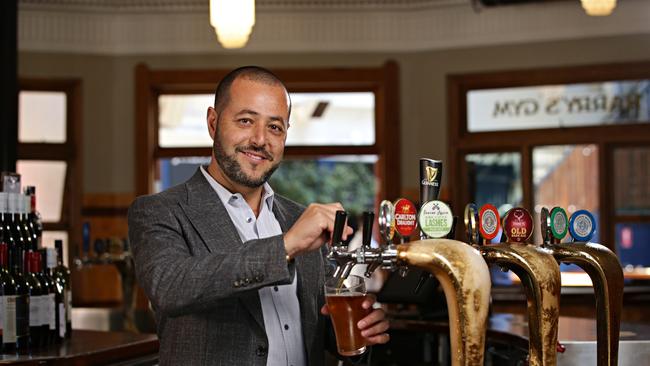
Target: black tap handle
x: 368, y: 221
x: 339, y: 225
x: 452, y: 232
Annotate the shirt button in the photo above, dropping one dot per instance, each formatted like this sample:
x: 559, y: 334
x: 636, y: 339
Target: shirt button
x: 275, y: 288
x: 249, y: 220
x: 286, y: 327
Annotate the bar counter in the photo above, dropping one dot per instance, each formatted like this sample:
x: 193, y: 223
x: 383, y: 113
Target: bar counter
x: 577, y: 335
x: 89, y: 347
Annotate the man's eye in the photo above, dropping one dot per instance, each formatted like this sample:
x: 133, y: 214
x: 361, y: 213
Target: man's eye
x: 245, y: 121
x: 276, y: 128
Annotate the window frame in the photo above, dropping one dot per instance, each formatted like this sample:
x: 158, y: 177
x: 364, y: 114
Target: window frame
x: 382, y: 81
x: 607, y: 138
x: 69, y: 151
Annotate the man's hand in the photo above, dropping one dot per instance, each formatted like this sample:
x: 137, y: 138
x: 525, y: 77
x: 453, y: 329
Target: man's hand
x: 374, y: 326
x: 312, y: 229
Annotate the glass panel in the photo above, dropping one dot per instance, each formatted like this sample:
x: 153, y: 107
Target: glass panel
x: 181, y: 120
x: 174, y: 171
x: 41, y: 117
x: 632, y: 181
x: 48, y: 242
x: 495, y: 178
x: 555, y: 106
x: 633, y: 245
x: 332, y: 119
x: 49, y: 179
x: 317, y: 119
x: 347, y: 179
x: 565, y: 176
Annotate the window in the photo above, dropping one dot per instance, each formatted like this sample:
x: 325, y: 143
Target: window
x: 344, y: 126
x: 49, y: 133
x: 581, y: 136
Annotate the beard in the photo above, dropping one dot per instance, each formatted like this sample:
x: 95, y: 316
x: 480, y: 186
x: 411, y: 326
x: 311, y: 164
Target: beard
x: 233, y: 170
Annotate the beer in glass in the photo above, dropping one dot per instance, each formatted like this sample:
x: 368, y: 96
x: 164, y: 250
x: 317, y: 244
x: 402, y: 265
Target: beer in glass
x: 344, y: 301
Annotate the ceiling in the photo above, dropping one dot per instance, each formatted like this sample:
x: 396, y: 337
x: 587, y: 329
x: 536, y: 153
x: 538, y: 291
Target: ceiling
x: 181, y: 26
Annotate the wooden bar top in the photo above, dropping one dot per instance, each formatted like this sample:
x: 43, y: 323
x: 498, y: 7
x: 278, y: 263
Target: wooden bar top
x: 88, y: 347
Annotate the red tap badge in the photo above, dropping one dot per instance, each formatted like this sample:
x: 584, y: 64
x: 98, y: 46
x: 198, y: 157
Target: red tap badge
x: 518, y: 225
x: 405, y: 217
x: 488, y: 219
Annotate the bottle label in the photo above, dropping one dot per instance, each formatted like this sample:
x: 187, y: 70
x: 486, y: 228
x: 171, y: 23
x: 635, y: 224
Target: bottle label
x: 62, y: 324
x: 68, y: 305
x: 51, y: 311
x: 22, y: 315
x: 9, y: 319
x: 35, y: 311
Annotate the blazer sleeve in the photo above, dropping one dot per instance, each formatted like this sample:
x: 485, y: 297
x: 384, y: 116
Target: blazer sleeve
x: 178, y: 282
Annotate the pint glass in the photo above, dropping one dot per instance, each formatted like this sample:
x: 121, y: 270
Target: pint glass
x: 344, y: 303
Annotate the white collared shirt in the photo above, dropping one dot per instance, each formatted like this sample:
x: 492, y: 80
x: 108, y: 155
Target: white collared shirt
x: 280, y: 306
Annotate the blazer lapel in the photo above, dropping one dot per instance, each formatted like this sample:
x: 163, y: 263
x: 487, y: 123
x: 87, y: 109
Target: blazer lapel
x: 209, y: 217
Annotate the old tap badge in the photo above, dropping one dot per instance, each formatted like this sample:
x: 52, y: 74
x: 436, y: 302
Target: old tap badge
x: 582, y: 225
x: 545, y: 225
x: 488, y: 221
x: 559, y: 223
x: 405, y: 217
x: 435, y: 219
x: 518, y: 225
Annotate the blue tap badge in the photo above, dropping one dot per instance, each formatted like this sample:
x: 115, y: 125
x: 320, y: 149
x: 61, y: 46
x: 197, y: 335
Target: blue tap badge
x: 582, y: 225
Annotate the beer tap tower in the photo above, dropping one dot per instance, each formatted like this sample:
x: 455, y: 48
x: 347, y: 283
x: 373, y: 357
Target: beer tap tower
x: 600, y: 263
x: 535, y: 266
x: 459, y: 268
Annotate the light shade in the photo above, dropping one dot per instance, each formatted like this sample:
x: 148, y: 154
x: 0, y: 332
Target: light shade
x: 233, y: 21
x: 598, y: 7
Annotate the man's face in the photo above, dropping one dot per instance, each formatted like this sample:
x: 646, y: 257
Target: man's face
x: 250, y: 132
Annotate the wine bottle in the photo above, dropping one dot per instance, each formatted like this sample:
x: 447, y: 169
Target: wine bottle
x: 50, y: 305
x: 7, y: 289
x: 35, y: 302
x: 33, y: 216
x: 18, y: 305
x: 62, y: 274
x: 59, y: 296
x: 45, y: 298
x: 14, y: 227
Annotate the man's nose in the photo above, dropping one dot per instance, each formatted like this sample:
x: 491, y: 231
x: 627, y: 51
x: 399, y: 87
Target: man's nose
x: 258, y: 136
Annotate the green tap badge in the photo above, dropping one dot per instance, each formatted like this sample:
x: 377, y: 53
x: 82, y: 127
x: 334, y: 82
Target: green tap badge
x: 435, y: 219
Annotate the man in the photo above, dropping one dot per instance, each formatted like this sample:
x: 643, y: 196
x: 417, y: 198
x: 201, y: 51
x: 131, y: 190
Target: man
x: 234, y: 272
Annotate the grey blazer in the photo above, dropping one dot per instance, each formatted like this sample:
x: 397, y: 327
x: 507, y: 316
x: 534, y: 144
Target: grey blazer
x: 202, y: 280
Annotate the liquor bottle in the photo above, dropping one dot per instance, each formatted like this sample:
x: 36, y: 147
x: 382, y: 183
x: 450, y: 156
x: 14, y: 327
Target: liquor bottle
x: 7, y: 289
x: 33, y: 216
x: 35, y: 302
x: 59, y: 296
x: 50, y: 304
x: 62, y: 275
x: 47, y: 308
x: 18, y: 305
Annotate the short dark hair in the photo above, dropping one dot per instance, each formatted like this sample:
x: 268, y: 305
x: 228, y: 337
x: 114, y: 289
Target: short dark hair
x: 254, y: 73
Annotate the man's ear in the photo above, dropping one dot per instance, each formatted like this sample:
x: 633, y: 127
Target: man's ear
x: 212, y: 119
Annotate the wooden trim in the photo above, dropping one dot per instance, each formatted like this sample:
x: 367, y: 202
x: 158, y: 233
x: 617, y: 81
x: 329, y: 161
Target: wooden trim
x: 631, y: 218
x: 383, y: 81
x: 70, y: 152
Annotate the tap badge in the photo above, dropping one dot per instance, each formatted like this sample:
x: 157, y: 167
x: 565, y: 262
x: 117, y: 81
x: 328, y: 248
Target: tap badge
x: 489, y: 222
x: 431, y: 175
x: 582, y: 225
x: 435, y: 219
x: 405, y: 217
x: 518, y: 225
x: 559, y: 223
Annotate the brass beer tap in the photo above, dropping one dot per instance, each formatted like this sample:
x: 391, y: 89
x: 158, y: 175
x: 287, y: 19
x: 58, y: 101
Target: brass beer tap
x: 602, y: 266
x: 536, y: 268
x: 459, y: 268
